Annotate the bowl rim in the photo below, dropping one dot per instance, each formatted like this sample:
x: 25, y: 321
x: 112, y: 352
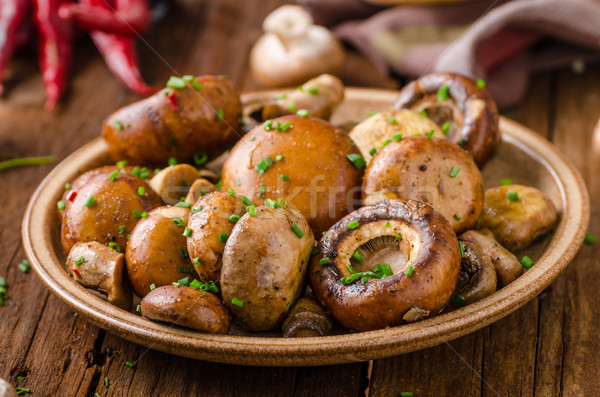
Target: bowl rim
x: 336, y: 349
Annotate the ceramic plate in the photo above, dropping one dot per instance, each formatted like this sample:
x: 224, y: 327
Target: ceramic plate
x: 523, y: 156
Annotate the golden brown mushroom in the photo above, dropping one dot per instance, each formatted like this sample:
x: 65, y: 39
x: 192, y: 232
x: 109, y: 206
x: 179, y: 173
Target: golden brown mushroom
x: 306, y: 319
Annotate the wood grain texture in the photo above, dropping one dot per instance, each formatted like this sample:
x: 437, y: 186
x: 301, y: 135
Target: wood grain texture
x: 549, y: 347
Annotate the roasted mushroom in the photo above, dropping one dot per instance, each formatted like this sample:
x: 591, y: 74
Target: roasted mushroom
x: 192, y: 117
x: 303, y: 160
x: 380, y: 129
x: 188, y: 307
x: 211, y: 221
x: 434, y: 171
x: 306, y: 319
x: 156, y: 251
x: 7, y: 390
x: 101, y: 269
x: 174, y: 182
x: 264, y: 265
x: 200, y: 188
x: 517, y: 215
x: 386, y: 264
x: 105, y: 208
x: 477, y: 276
x: 508, y: 268
x: 467, y: 107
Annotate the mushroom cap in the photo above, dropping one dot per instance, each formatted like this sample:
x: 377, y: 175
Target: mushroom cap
x: 470, y: 109
x: 264, y: 266
x: 322, y: 183
x: 427, y: 243
x: 155, y: 250
x: 173, y: 182
x: 421, y: 169
x: 113, y: 206
x: 188, y: 307
x: 151, y: 131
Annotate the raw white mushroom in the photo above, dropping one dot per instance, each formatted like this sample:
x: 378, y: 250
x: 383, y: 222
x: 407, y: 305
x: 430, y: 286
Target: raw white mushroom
x: 293, y: 50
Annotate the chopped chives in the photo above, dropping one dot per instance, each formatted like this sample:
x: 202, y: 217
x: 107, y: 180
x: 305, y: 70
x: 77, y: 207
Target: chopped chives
x: 282, y: 202
x: 454, y: 172
x: 303, y: 113
x: 446, y: 127
x: 285, y: 178
x: 176, y: 83
x: 406, y: 394
x: 291, y: 107
x: 185, y: 270
x: 279, y: 157
x: 114, y: 246
x: 423, y: 113
x: 263, y: 188
x: 184, y: 254
x: 391, y: 119
x: 234, y: 218
x: 590, y: 238
x: 372, y: 152
x: 409, y: 271
x: 105, y: 378
x: 122, y: 229
x: 152, y: 287
x: 252, y: 138
x: 231, y: 192
x: 141, y: 191
x: 442, y: 93
x: 314, y: 251
x: 397, y: 138
x: 313, y: 90
x: 237, y: 302
x: 457, y: 217
x: 398, y: 237
x: 246, y: 200
x: 324, y: 261
x: 283, y: 95
x: 458, y: 301
x: 267, y: 125
x: 506, y: 182
x: 138, y: 308
x: 183, y: 204
x: 353, y: 225
x: 136, y: 171
x: 271, y: 203
x: 2, y: 282
x: 89, y: 201
x: 179, y: 221
x: 263, y: 165
x: 480, y: 83
x: 200, y: 158
x: 461, y: 249
x: 121, y: 163
x: 430, y: 134
x: 61, y: 205
x: 251, y: 209
x: 79, y: 261
x: 386, y: 142
x: 118, y: 125
x: 113, y: 175
x: 297, y: 231
x: 144, y: 174
x: 350, y: 268
x: 219, y: 114
x: 387, y: 224
x: 223, y: 237
x: 172, y: 161
x: 357, y: 160
x: 196, y: 261
x: 371, y: 114
x: 129, y: 363
x: 357, y: 256
x: 187, y: 232
x: 283, y: 127
x: 513, y: 196
x: 219, y: 184
x: 197, y: 209
x: 527, y: 262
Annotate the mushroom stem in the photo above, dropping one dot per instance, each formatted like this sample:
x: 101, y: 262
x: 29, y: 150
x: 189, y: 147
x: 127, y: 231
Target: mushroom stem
x: 306, y: 319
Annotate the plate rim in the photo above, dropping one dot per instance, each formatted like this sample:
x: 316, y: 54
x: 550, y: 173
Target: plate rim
x: 336, y: 349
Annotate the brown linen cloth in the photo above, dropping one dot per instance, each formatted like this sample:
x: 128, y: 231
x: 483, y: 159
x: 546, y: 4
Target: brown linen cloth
x: 499, y: 41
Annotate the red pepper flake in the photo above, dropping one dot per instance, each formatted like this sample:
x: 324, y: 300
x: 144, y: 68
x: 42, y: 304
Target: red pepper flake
x: 71, y: 195
x: 76, y: 272
x: 172, y: 100
x: 103, y: 291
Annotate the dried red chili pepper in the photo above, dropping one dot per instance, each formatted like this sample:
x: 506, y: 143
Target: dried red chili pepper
x: 12, y: 13
x: 55, y: 48
x: 128, y: 17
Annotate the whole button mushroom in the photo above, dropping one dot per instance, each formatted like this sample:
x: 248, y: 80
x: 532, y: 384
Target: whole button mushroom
x: 264, y: 266
x: 468, y: 109
x: 293, y: 50
x: 517, y: 215
x: 102, y: 269
x: 434, y: 171
x: 156, y: 251
x: 386, y: 264
x: 302, y: 159
x: 105, y: 208
x: 306, y: 319
x: 7, y: 390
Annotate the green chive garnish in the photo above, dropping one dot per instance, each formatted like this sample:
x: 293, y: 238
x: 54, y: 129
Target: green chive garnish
x: 391, y: 119
x: 397, y: 138
x: 313, y: 90
x: 373, y: 151
x: 200, y: 158
x: 353, y: 225
x: 183, y: 204
x: 506, y: 182
x: 246, y: 200
x: 114, y: 246
x: 445, y: 128
x: 350, y: 268
x: 387, y: 224
x: 234, y: 218
x: 197, y: 209
x: 152, y: 287
x: 430, y: 134
x: 303, y: 113
x: 113, y: 175
x: 237, y: 302
x: 458, y: 301
x: 176, y: 83
x: 527, y: 262
x: 184, y: 254
x: 67, y: 186
x: 141, y: 191
x: 61, y: 205
x: 409, y: 271
x: 118, y: 125
x: 231, y: 192
x: 187, y: 232
x: 79, y: 261
x: 263, y: 165
x: 454, y: 172
x: 314, y: 251
x: 297, y: 231
x: 223, y: 237
x: 461, y: 249
x: 172, y: 161
x: 285, y: 178
x: 283, y: 95
x: 279, y: 157
x: 267, y: 125
x: 291, y: 107
x: 357, y: 160
x: 423, y: 113
x: 89, y: 201
x: 442, y: 93
x: 324, y: 261
x: 590, y: 238
x: 186, y: 270
x: 513, y: 196
x: 24, y: 266
x: 122, y: 229
x: 219, y: 114
x: 457, y: 217
x: 398, y: 237
x: 251, y: 209
x: 357, y: 256
x: 179, y: 221
x: 137, y: 309
x: 480, y: 83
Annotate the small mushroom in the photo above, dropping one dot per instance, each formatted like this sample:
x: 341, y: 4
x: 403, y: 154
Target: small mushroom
x: 434, y: 171
x: 264, y: 266
x: 517, y: 215
x: 385, y: 264
x: 293, y: 50
x: 101, y: 269
x: 200, y: 188
x: 508, y: 268
x: 477, y: 276
x: 380, y: 129
x: 188, y: 307
x: 306, y: 319
x: 174, y: 182
x: 156, y: 252
x: 467, y: 107
x: 7, y: 390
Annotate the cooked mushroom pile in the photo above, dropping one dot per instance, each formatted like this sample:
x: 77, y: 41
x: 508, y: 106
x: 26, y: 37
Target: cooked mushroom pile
x: 406, y: 227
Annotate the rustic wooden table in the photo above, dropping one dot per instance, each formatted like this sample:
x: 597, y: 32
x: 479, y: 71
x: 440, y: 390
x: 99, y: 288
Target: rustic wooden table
x: 549, y: 347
